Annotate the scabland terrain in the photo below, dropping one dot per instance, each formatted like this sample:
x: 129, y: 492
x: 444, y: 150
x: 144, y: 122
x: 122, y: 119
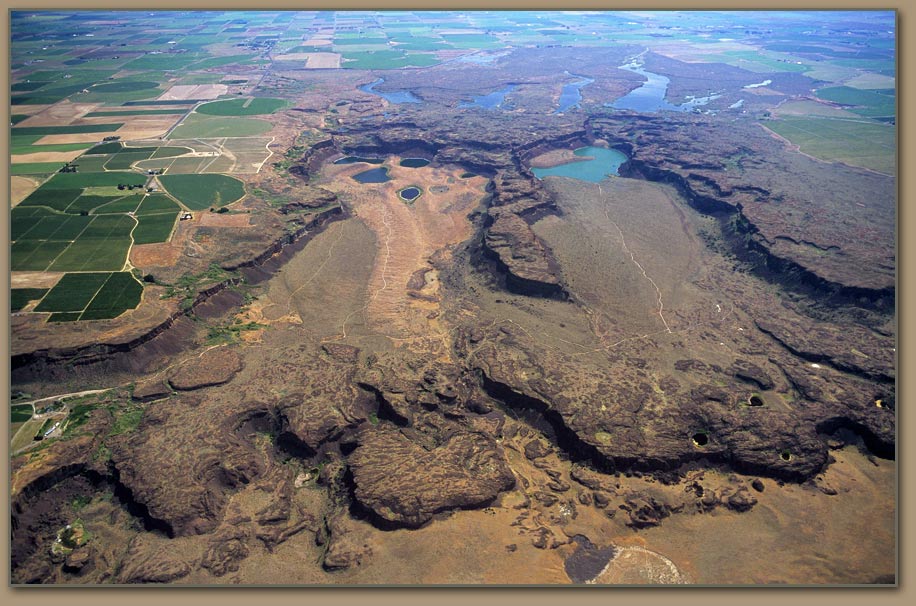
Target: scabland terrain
x: 681, y: 373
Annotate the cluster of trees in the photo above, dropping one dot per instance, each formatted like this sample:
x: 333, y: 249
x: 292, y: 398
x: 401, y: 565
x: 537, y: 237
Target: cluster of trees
x: 68, y: 168
x: 122, y: 186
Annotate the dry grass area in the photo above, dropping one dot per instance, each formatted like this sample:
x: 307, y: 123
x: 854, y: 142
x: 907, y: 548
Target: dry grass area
x: 154, y: 255
x: 224, y: 220
x: 317, y: 42
x: 47, y: 157
x: 555, y: 157
x: 407, y: 237
x: 29, y: 110
x: 34, y: 279
x: 21, y: 187
x: 812, y: 108
x: 322, y: 60
x: 193, y: 91
x: 59, y: 114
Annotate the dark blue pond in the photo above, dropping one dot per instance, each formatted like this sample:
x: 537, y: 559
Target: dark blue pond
x: 650, y: 97
x: 492, y: 100
x: 414, y: 162
x: 409, y: 193
x: 373, y: 175
x: 355, y: 159
x: 571, y: 95
x: 401, y: 96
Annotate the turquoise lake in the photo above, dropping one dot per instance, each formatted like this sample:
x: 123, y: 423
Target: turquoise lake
x: 604, y: 162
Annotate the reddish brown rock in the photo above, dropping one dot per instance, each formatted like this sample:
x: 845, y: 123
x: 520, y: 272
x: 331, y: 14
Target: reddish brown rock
x: 404, y: 484
x: 215, y: 367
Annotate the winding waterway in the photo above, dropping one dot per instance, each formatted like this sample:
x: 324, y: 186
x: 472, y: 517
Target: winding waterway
x: 401, y: 96
x: 650, y: 97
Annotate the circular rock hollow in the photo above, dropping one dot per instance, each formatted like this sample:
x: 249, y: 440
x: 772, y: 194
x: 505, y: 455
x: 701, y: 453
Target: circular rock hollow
x: 414, y: 162
x: 700, y: 438
x: 755, y: 400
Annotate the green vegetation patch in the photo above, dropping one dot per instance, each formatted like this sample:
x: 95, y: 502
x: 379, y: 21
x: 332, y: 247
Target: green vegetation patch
x: 70, y: 181
x: 34, y: 255
x: 123, y: 160
x: 165, y: 62
x: 242, y: 107
x: 120, y: 292
x: 35, y: 168
x: 20, y: 413
x: 125, y: 204
x: 136, y: 112
x: 152, y: 228
x: 94, y: 254
x: 157, y: 204
x: 73, y: 292
x: 58, y: 199
x: 126, y: 421
x: 87, y: 203
x: 20, y: 146
x: 124, y: 86
x: 20, y: 297
x: 869, y: 145
x: 201, y: 126
x: 66, y: 130
x: 170, y: 151
x: 221, y: 61
x: 91, y: 296
x: 105, y: 148
x: 199, y: 192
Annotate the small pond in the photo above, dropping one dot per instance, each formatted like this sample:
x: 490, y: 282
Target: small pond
x: 355, y: 159
x: 410, y: 194
x: 414, y: 162
x: 602, y: 163
x: 373, y: 175
x: 492, y: 100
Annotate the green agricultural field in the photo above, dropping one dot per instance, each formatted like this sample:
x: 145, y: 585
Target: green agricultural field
x: 65, y: 130
x: 36, y: 168
x: 123, y: 160
x: 139, y: 112
x: 20, y: 297
x: 170, y: 151
x: 166, y: 62
x: 25, y: 145
x: 200, y: 126
x: 91, y: 164
x: 153, y: 228
x: 94, y: 254
x: 92, y: 296
x: 124, y: 86
x: 155, y: 204
x: 34, y: 255
x: 120, y: 293
x: 126, y: 204
x: 54, y: 198
x: 20, y: 413
x: 221, y: 61
x: 199, y: 192
x: 64, y: 181
x: 859, y: 143
x: 88, y: 203
x: 73, y: 292
x: 242, y: 107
